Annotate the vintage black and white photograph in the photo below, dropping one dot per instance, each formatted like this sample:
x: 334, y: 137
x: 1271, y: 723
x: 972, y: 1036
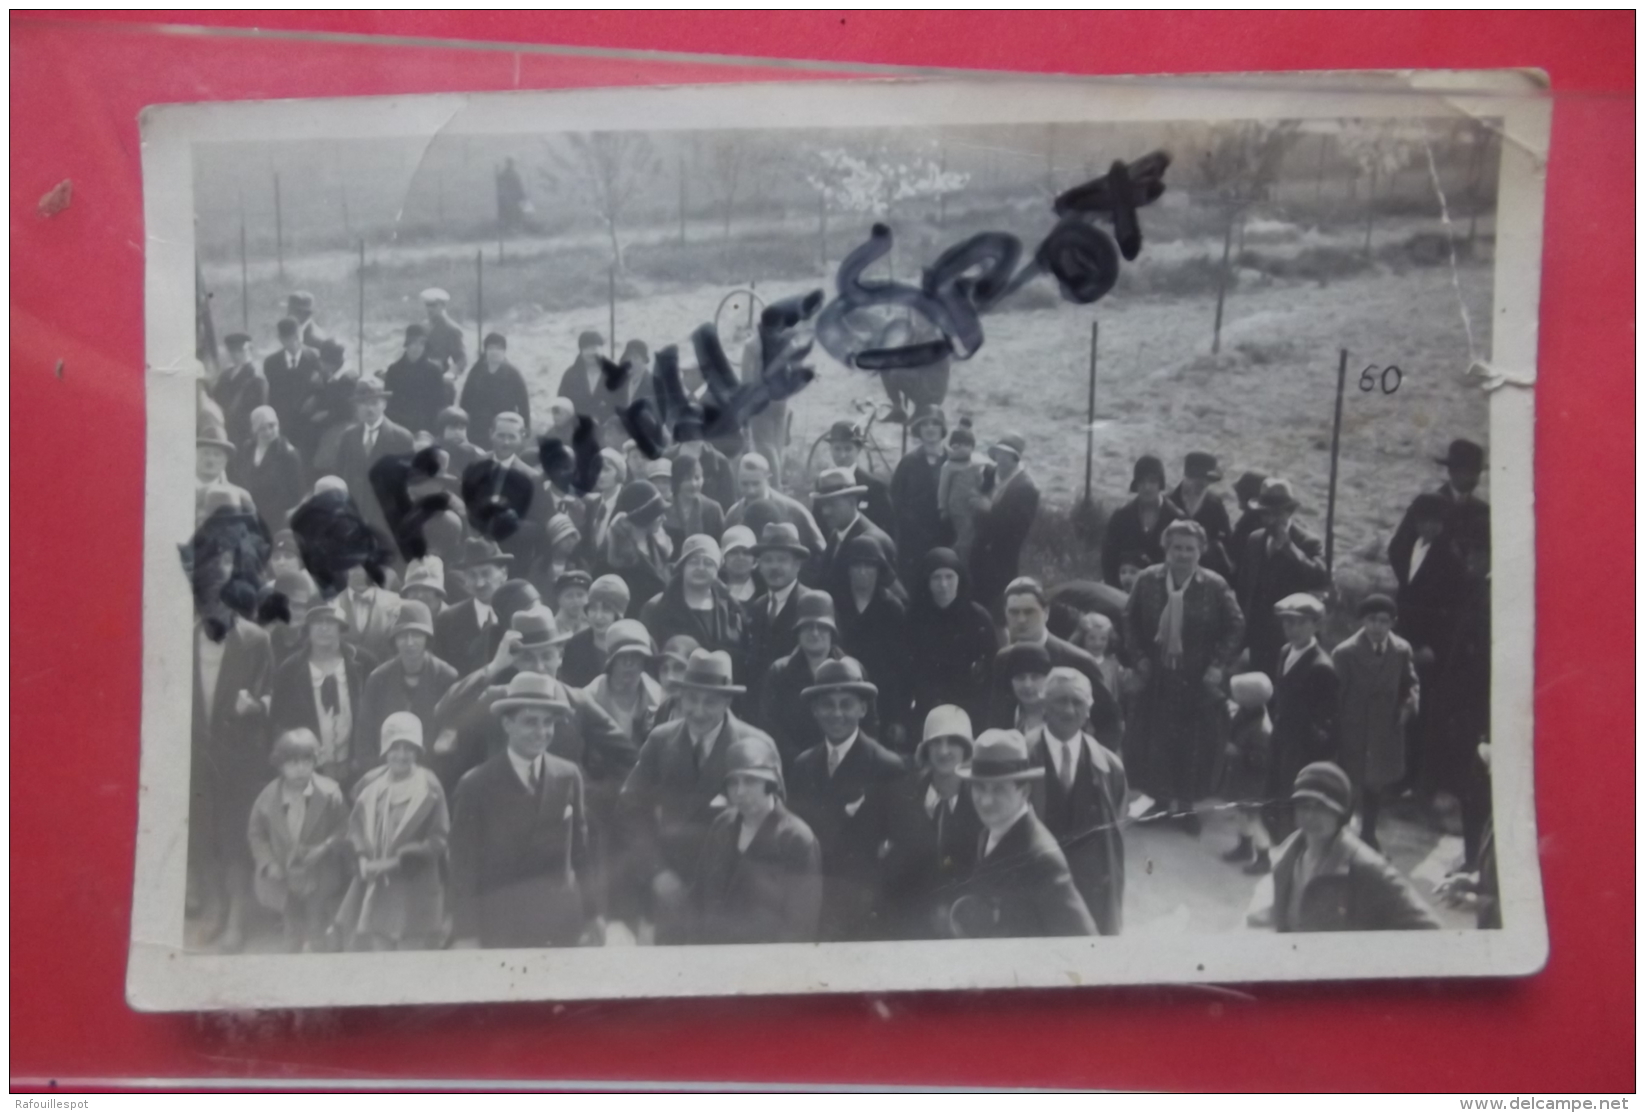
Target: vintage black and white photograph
x: 870, y: 535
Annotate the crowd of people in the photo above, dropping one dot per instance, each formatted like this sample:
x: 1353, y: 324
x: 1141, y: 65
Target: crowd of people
x: 690, y: 706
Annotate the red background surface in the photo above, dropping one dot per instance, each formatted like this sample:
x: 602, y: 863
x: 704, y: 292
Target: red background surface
x: 77, y: 460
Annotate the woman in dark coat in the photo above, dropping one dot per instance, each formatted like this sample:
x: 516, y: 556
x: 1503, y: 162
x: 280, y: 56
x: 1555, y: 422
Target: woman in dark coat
x: 873, y: 625
x: 920, y: 527
x: 950, y: 642
x: 1139, y: 525
x: 1185, y: 627
x: 270, y: 470
x: 677, y: 609
x: 692, y: 511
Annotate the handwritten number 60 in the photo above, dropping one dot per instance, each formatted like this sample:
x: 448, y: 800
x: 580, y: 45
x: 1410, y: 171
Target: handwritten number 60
x: 1389, y: 379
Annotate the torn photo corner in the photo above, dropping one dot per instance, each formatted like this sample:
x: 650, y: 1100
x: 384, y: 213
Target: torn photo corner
x: 850, y: 536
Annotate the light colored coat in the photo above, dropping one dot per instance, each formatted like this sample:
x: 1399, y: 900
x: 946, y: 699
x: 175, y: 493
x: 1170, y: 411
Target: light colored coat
x: 1378, y: 695
x: 310, y: 867
x: 409, y: 901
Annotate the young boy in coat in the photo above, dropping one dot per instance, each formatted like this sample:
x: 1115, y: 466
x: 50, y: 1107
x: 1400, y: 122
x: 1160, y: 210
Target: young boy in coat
x: 1305, y: 701
x: 297, y: 831
x: 1376, y: 669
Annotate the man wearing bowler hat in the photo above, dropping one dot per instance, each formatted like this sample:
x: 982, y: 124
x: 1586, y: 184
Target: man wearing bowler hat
x: 417, y: 385
x: 289, y: 371
x: 1193, y: 498
x: 676, y: 791
x: 1021, y: 885
x: 845, y: 448
x: 519, y: 832
x: 1003, y: 523
x: 369, y: 439
x: 240, y: 389
x: 773, y: 614
x: 445, y: 339
x: 836, y: 501
x: 494, y: 386
x: 830, y: 784
x: 1280, y: 559
x: 1469, y: 515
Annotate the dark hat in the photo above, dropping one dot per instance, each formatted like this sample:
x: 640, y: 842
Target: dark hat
x: 1249, y: 485
x: 925, y: 413
x: 588, y: 337
x: 211, y: 435
x: 532, y: 689
x: 1463, y: 455
x: 843, y: 432
x: 1326, y: 783
x: 481, y: 550
x: 1014, y: 443
x: 367, y: 390
x: 573, y: 577
x: 494, y: 340
x: 781, y: 536
x: 1147, y: 467
x: 537, y: 628
x: 1377, y: 604
x: 416, y: 332
x: 236, y: 339
x: 1022, y: 657
x: 863, y: 549
x: 1276, y: 495
x: 635, y: 352
x: 449, y: 416
x: 843, y: 675
x: 815, y: 608
x: 709, y: 671
x: 641, y: 502
x: 1001, y: 755
x: 837, y: 483
x: 1201, y: 465
x: 414, y: 616
x: 940, y: 558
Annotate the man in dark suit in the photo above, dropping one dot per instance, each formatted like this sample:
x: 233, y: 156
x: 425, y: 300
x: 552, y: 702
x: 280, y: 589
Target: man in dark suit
x: 835, y: 501
x: 494, y: 386
x: 240, y: 389
x: 1468, y: 515
x: 845, y: 446
x: 1026, y: 612
x: 676, y: 791
x: 1279, y: 560
x: 1433, y: 584
x: 300, y: 308
x: 1003, y: 525
x: 519, y: 832
x: 1021, y: 886
x: 417, y: 386
x: 828, y: 789
x: 290, y: 372
x: 1081, y: 799
x: 369, y: 439
x: 1305, y: 703
x: 482, y: 569
x: 773, y: 613
x: 445, y: 339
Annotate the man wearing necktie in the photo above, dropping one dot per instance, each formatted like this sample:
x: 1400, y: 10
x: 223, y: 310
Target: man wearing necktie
x: 289, y: 370
x: 369, y: 439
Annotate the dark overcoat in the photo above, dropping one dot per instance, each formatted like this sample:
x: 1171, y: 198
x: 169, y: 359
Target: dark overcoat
x: 769, y: 893
x: 293, y: 706
x: 239, y: 391
x: 920, y: 526
x: 924, y: 857
x: 1001, y: 531
x: 276, y: 484
x: 1305, y: 706
x: 769, y: 639
x: 1086, y: 820
x: 487, y: 393
x: 420, y: 392
x: 1125, y: 534
x: 229, y: 752
x: 1380, y: 694
x: 784, y: 713
x: 1023, y: 889
x: 1266, y: 578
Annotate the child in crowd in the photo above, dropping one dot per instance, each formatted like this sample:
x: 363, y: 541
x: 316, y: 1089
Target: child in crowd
x: 297, y: 829
x: 1097, y: 636
x: 1245, y: 768
x: 962, y: 483
x: 571, y: 600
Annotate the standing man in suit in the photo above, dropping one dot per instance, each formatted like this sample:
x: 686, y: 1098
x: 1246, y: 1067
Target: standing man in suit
x: 494, y: 386
x: 1280, y: 559
x: 1003, y: 522
x: 270, y: 470
x: 290, y: 372
x: 1081, y: 798
x: 1306, y: 702
x: 519, y: 834
x: 773, y: 614
x: 676, y: 791
x: 830, y: 784
x: 1432, y: 579
x: 1026, y: 612
x: 370, y: 614
x: 483, y: 569
x: 369, y: 439
x: 240, y: 389
x: 1468, y: 515
x: 845, y: 447
x: 417, y: 386
x: 1021, y: 886
x: 836, y: 499
x: 445, y: 339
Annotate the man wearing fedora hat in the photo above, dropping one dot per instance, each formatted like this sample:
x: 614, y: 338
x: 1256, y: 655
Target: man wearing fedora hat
x: 781, y: 710
x: 928, y: 830
x: 836, y: 498
x: 322, y: 689
x: 289, y: 371
x: 483, y: 567
x: 1280, y: 559
x: 369, y: 439
x: 676, y: 790
x: 240, y: 388
x: 754, y: 485
x: 1325, y: 879
x: 417, y: 385
x: 412, y: 680
x: 845, y: 446
x: 519, y: 832
x: 1139, y: 525
x: 773, y: 614
x: 1021, y: 886
x: 1003, y: 522
x: 494, y: 386
x: 445, y: 339
x: 1081, y: 798
x: 212, y: 452
x: 1468, y: 515
x: 1193, y: 498
x: 759, y: 878
x: 696, y: 602
x: 829, y: 784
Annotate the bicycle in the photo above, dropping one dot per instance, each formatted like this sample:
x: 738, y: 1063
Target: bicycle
x: 869, y: 413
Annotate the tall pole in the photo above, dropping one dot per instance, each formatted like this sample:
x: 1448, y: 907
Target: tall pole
x: 1091, y: 413
x: 479, y: 298
x: 279, y: 232
x: 245, y: 279
x: 360, y: 336
x: 1336, y: 444
x: 348, y: 228
x: 611, y: 298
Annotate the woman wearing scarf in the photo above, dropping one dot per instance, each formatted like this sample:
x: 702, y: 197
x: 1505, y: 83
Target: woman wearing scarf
x: 951, y: 641
x: 1184, y: 625
x: 873, y: 629
x: 398, y: 830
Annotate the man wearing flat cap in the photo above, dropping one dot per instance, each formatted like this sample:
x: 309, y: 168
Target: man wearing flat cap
x: 675, y: 792
x: 290, y: 371
x: 417, y: 386
x: 1021, y: 886
x: 1003, y: 522
x: 494, y: 386
x: 845, y: 448
x: 369, y: 439
x: 519, y: 832
x: 445, y: 338
x: 830, y: 783
x: 1081, y: 798
x: 240, y: 388
x: 1306, y: 697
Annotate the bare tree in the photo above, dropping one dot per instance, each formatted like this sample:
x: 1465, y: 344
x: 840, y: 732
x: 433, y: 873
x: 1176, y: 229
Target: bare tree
x: 731, y: 162
x: 603, y: 171
x: 1379, y: 149
x: 1238, y: 169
